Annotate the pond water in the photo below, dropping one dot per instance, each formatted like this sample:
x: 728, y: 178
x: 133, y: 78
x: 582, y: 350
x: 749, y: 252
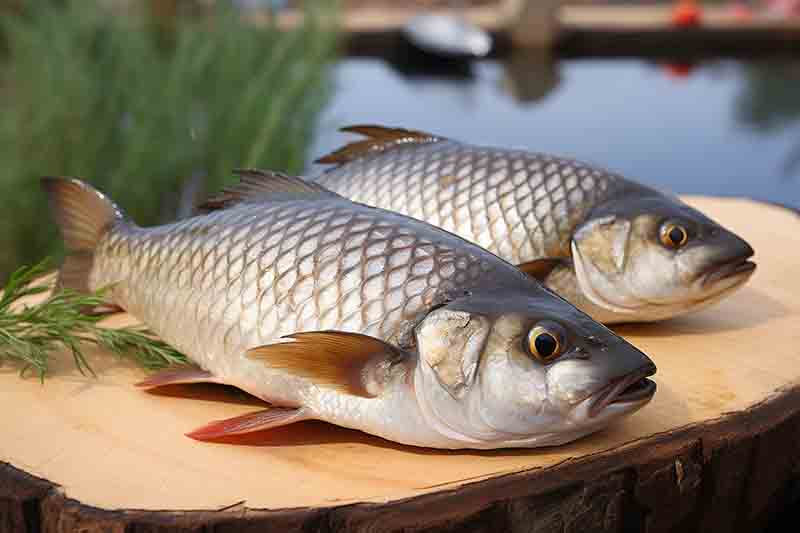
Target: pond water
x: 726, y: 127
x: 723, y: 127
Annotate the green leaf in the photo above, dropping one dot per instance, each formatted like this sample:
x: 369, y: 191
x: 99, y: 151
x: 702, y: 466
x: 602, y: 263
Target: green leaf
x: 31, y: 333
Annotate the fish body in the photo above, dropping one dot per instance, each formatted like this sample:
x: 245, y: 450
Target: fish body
x: 361, y: 317
x: 596, y: 238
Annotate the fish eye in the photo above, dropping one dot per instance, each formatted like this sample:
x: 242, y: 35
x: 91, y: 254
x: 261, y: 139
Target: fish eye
x: 673, y: 235
x: 545, y: 341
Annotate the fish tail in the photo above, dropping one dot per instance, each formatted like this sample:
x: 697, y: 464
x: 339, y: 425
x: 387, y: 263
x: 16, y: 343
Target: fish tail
x: 83, y: 215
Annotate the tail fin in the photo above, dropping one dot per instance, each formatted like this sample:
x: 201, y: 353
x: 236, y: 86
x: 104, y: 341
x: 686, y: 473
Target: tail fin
x: 84, y: 215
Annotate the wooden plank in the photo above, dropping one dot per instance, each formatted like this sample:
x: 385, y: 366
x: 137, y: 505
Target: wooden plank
x: 373, y: 20
x: 647, y: 31
x: 585, y: 30
x: 721, y: 436
x: 635, y: 17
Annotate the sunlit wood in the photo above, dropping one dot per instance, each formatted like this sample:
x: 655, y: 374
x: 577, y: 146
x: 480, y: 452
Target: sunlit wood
x: 728, y: 391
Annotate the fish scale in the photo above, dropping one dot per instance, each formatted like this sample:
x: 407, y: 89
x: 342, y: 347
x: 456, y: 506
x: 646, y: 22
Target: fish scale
x: 619, y: 250
x: 250, y: 274
x: 516, y: 204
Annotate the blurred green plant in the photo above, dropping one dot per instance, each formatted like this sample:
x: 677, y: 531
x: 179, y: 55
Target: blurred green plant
x: 148, y: 110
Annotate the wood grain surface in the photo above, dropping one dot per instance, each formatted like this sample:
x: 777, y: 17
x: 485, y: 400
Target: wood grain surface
x: 716, y: 450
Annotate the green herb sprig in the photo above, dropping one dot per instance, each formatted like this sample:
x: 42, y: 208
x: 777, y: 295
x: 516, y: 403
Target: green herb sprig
x: 29, y: 333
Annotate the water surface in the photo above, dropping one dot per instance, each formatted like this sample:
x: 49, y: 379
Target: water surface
x: 724, y: 128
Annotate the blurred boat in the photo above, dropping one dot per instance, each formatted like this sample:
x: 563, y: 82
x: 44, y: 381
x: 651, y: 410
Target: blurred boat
x: 447, y: 36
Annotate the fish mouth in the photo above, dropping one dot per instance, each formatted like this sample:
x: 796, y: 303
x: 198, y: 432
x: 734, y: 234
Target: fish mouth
x: 729, y: 269
x: 632, y: 389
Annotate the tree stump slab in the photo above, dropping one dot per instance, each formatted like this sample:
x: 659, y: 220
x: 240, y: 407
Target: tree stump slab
x: 718, y: 449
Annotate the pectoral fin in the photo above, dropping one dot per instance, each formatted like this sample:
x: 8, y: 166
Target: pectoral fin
x: 541, y: 268
x: 256, y: 421
x: 177, y: 376
x: 346, y: 362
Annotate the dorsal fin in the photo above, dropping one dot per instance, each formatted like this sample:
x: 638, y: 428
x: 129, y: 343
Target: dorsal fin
x: 378, y: 139
x: 257, y: 185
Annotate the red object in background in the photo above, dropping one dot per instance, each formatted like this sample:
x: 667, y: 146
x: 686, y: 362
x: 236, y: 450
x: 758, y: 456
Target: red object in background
x: 686, y: 13
x: 678, y: 70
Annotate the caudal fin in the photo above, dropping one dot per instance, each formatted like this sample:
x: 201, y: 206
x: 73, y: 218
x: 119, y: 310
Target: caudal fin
x: 83, y: 215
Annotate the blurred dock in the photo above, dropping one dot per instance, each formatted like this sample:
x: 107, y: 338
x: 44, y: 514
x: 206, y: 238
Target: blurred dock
x: 617, y: 30
x: 648, y: 30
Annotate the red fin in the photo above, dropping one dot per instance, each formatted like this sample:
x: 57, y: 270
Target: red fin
x: 257, y: 421
x: 379, y: 139
x: 177, y: 376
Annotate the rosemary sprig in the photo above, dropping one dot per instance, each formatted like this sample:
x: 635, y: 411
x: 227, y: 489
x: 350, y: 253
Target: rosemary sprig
x: 29, y: 333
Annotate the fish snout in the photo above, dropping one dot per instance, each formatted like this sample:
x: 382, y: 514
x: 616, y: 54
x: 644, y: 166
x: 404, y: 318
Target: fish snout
x: 625, y: 359
x: 730, y: 261
x: 633, y: 388
x: 624, y: 378
x: 617, y: 373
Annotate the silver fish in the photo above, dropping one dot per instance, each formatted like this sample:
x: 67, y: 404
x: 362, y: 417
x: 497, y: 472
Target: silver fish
x: 618, y: 250
x: 368, y: 319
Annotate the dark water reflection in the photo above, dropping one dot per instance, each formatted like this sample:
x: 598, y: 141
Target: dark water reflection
x: 725, y: 127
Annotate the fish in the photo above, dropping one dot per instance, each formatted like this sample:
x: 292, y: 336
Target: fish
x: 617, y: 249
x: 364, y: 318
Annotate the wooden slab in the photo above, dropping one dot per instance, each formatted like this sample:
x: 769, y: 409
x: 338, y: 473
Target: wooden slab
x: 725, y: 422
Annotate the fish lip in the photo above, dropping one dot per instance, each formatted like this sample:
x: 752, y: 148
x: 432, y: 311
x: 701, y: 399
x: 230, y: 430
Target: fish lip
x: 633, y: 388
x: 719, y: 271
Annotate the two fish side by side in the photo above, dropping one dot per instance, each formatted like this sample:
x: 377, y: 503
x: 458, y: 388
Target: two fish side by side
x: 618, y: 250
x: 368, y: 319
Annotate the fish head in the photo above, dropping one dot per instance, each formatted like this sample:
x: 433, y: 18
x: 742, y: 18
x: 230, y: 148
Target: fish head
x: 655, y: 257
x: 513, y: 368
